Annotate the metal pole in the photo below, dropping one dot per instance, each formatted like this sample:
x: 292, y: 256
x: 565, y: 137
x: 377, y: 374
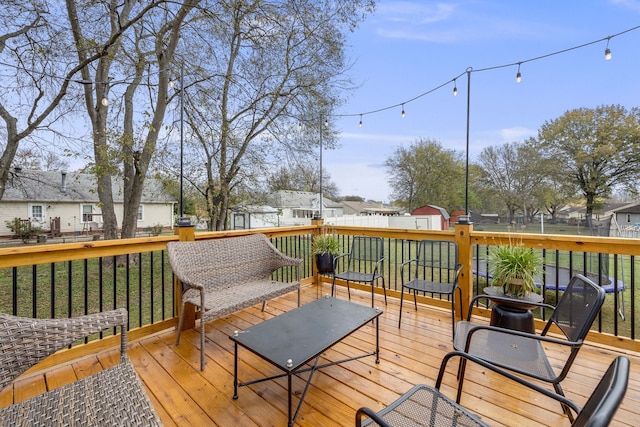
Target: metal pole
x: 321, y: 130
x: 181, y: 137
x: 466, y: 182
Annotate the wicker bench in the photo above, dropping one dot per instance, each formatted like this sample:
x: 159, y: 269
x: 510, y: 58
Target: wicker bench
x: 112, y: 397
x: 222, y: 276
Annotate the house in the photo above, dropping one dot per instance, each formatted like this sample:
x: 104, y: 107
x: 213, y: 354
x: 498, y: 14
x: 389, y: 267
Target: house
x: 434, y: 210
x: 298, y: 207
x: 67, y: 203
x: 368, y: 208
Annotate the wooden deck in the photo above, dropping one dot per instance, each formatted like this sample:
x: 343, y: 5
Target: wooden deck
x: 183, y: 395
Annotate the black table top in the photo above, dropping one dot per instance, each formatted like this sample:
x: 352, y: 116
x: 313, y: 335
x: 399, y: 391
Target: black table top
x: 303, y: 333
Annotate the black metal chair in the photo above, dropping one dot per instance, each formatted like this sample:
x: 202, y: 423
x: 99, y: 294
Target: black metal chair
x: 434, y: 270
x: 523, y: 352
x: 363, y: 264
x: 427, y: 406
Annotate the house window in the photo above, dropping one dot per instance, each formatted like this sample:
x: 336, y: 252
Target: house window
x: 37, y: 213
x: 140, y: 213
x: 87, y: 213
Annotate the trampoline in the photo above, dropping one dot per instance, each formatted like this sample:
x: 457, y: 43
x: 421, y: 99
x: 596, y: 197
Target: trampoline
x: 557, y: 278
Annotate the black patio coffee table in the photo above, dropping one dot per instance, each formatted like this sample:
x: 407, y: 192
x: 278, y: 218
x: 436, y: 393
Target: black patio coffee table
x: 293, y: 339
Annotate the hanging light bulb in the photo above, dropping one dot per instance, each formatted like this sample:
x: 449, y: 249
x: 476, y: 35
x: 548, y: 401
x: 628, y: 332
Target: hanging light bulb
x: 403, y: 111
x: 171, y: 84
x: 455, y: 88
x: 326, y: 123
x: 607, y: 51
x: 299, y: 127
x: 518, y: 76
x: 360, y: 124
x: 104, y: 101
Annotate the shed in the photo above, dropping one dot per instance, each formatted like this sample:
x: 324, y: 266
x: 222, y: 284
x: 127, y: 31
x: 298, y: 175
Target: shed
x: 434, y: 210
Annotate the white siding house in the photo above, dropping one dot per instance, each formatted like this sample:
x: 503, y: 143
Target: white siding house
x: 42, y: 196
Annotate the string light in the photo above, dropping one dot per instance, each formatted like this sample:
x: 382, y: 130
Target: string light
x: 326, y: 123
x: 607, y: 51
x: 455, y: 88
x: 403, y: 111
x: 360, y: 124
x: 518, y: 75
x: 299, y: 126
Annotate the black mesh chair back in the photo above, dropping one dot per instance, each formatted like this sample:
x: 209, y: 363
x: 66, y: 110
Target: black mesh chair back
x: 607, y: 396
x: 363, y: 264
x: 437, y: 261
x: 577, y: 309
x: 365, y: 254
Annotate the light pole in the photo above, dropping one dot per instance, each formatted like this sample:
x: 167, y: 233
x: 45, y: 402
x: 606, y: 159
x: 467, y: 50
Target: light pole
x: 320, y: 207
x: 467, y: 217
x: 180, y: 219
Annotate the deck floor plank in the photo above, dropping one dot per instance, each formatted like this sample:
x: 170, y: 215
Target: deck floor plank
x: 183, y: 395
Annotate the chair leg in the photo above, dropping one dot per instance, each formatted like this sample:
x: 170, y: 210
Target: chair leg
x: 384, y: 290
x: 349, y: 290
x: 264, y: 305
x: 401, y: 299
x: 415, y: 300
x: 202, y: 362
x: 333, y: 286
x: 372, y: 294
x: 565, y: 408
x: 202, y: 311
x: 461, y: 368
x: 180, y: 323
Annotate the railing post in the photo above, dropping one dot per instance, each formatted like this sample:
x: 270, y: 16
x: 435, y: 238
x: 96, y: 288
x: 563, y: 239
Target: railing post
x: 465, y: 256
x: 186, y: 232
x: 318, y: 222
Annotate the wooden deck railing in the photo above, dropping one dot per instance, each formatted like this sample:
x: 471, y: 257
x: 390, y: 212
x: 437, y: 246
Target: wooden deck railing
x: 76, y: 278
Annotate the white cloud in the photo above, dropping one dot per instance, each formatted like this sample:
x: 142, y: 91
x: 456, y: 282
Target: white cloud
x: 517, y: 134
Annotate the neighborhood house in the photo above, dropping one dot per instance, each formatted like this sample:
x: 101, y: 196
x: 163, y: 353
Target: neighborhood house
x: 67, y: 203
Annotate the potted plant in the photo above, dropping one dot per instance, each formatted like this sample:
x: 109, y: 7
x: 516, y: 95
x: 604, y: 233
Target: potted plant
x: 325, y: 249
x: 514, y: 267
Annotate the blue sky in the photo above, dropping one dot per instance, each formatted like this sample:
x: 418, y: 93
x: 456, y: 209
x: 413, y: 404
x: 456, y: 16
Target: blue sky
x: 411, y: 47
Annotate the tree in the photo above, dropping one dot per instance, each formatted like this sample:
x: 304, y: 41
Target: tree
x: 37, y: 73
x: 155, y: 32
x: 426, y: 173
x: 514, y: 172
x: 272, y: 64
x: 599, y: 149
x: 300, y: 177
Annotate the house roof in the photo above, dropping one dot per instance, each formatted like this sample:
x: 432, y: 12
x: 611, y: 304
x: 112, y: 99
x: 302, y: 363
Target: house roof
x: 354, y: 207
x: 630, y: 209
x: 299, y: 200
x: 51, y: 187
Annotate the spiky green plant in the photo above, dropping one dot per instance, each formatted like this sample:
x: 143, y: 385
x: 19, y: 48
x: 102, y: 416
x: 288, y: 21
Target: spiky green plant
x: 514, y: 267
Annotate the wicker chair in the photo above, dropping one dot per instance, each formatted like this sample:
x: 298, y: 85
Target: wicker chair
x: 523, y: 352
x: 222, y: 276
x: 111, y: 397
x: 427, y: 406
x: 363, y: 264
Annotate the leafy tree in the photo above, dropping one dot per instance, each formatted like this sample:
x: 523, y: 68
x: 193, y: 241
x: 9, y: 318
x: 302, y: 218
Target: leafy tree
x: 598, y: 149
x: 514, y: 172
x: 426, y: 173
